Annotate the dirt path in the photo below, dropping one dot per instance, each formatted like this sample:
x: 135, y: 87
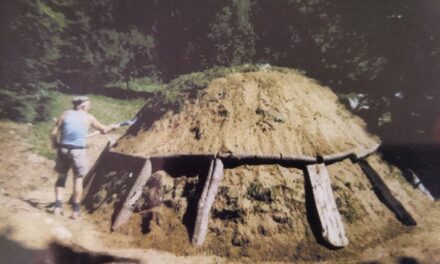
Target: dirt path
x: 27, y: 228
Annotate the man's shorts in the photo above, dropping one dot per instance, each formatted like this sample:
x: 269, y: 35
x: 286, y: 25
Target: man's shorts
x: 72, y: 158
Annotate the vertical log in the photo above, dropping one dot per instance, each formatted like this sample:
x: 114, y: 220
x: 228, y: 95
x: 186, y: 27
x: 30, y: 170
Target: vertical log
x: 385, y: 195
x: 134, y: 195
x: 331, y: 222
x: 206, y: 201
x: 202, y: 200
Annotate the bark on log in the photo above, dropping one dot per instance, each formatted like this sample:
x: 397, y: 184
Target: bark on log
x: 206, y: 200
x: 134, y: 195
x: 385, y: 195
x: 331, y: 222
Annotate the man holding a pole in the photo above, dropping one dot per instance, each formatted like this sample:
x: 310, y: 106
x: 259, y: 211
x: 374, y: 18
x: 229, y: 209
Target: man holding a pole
x: 69, y: 138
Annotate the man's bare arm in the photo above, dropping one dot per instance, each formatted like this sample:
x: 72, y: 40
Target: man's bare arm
x: 99, y: 126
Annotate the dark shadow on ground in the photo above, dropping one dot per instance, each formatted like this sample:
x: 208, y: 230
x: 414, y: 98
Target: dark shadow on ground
x: 12, y: 252
x: 407, y: 260
x: 112, y: 180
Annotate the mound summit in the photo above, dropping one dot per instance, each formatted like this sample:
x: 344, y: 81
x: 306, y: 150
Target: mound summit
x: 263, y: 165
x: 261, y: 113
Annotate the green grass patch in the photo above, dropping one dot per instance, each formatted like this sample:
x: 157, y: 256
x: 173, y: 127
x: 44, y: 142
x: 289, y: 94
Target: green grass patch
x: 145, y: 84
x: 106, y: 110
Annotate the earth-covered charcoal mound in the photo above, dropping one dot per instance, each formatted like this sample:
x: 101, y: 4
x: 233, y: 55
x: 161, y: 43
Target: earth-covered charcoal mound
x: 240, y: 172
x: 257, y: 113
x: 261, y: 212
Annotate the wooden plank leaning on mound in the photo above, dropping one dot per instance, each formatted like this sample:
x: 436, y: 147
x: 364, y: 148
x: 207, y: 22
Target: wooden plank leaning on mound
x: 385, y: 195
x: 206, y: 200
x: 333, y: 230
x: 133, y: 196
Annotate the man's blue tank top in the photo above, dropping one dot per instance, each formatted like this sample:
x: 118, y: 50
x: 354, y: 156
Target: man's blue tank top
x: 74, y: 129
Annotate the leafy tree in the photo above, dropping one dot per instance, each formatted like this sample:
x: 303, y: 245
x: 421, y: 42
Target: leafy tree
x: 30, y: 49
x: 232, y: 36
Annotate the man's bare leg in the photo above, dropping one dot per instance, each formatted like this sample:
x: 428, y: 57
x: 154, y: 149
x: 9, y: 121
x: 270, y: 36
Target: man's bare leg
x: 77, y: 195
x: 59, y: 192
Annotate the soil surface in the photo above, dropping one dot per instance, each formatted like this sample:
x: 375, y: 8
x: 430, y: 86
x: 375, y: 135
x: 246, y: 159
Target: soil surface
x: 264, y: 113
x: 27, y: 227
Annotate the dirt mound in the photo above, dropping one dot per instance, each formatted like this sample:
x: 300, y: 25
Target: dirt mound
x: 264, y: 210
x: 261, y: 212
x: 27, y: 187
x: 258, y: 113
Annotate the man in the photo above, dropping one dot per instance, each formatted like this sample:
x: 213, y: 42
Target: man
x: 72, y: 127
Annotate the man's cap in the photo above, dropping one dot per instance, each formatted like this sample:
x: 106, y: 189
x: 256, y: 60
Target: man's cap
x: 79, y: 100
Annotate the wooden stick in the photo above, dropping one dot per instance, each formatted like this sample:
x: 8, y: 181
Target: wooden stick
x: 206, y: 201
x: 385, y: 195
x: 331, y: 222
x: 134, y: 195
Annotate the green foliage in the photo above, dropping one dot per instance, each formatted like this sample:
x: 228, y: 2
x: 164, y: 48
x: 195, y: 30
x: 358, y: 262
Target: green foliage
x: 25, y: 107
x: 29, y: 50
x: 232, y: 36
x: 108, y: 56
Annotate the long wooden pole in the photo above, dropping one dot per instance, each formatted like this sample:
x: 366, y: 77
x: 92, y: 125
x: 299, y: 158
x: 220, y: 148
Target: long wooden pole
x: 357, y: 153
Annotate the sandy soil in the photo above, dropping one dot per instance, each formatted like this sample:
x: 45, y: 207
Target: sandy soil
x: 27, y: 228
x: 258, y: 113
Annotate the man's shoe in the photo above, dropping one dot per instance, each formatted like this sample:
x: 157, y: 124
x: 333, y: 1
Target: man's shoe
x: 75, y: 215
x: 76, y: 209
x: 58, y: 211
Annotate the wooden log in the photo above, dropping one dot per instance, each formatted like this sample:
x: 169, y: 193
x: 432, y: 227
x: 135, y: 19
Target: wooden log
x: 385, y: 195
x: 331, y: 222
x: 202, y: 200
x: 90, y: 176
x: 337, y: 156
x: 206, y: 201
x: 357, y: 153
x: 135, y: 193
x: 365, y: 152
